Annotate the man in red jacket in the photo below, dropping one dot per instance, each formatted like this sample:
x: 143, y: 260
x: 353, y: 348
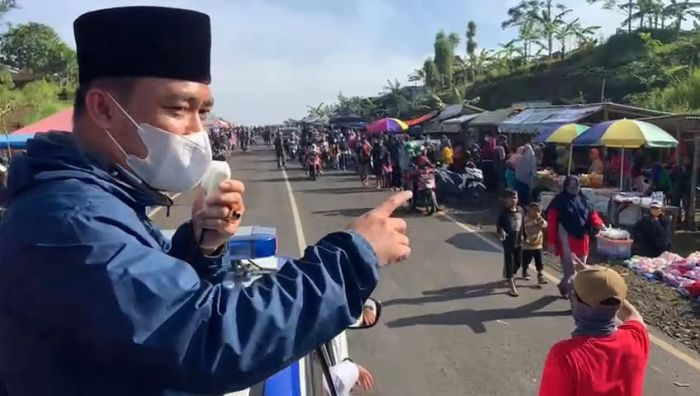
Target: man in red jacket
x: 600, y: 359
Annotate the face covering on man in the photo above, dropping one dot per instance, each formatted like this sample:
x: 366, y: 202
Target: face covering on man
x: 174, y: 163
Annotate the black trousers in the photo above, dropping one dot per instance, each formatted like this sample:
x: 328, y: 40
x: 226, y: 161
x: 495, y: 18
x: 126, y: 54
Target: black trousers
x: 512, y: 258
x: 528, y: 255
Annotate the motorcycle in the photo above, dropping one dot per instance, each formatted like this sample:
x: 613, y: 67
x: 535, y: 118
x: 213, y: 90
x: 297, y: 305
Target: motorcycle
x: 293, y: 150
x: 425, y: 189
x: 473, y: 186
x: 314, y: 165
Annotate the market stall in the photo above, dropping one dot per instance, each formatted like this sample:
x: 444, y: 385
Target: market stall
x: 626, y: 208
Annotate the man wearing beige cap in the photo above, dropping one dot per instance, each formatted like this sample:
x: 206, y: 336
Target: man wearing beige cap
x: 601, y: 358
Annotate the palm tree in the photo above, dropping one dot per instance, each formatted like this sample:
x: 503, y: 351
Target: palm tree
x: 506, y: 53
x: 549, y: 19
x: 680, y: 11
x: 454, y: 39
x: 564, y: 32
x: 417, y: 76
x: 624, y: 6
x: 397, y: 102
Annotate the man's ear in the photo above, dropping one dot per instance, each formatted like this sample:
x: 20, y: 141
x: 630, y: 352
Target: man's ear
x: 100, y: 107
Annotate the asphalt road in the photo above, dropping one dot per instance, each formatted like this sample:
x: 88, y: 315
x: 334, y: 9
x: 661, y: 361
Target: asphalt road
x: 448, y: 327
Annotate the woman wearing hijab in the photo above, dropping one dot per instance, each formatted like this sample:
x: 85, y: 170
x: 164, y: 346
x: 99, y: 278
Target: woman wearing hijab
x: 571, y: 219
x: 525, y: 170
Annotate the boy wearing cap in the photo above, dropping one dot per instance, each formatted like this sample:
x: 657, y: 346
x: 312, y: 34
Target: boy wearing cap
x: 652, y: 233
x: 601, y: 358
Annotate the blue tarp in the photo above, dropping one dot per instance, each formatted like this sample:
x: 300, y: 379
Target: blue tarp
x: 17, y: 141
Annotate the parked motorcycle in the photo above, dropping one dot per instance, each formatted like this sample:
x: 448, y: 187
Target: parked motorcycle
x: 473, y: 186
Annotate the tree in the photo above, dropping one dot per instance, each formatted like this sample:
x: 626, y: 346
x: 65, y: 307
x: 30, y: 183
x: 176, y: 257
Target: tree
x: 471, y: 45
x: 624, y: 6
x: 6, y: 6
x: 549, y: 19
x: 418, y: 75
x: 432, y: 76
x: 444, y: 58
x: 506, y: 54
x: 36, y: 48
x: 454, y: 39
x: 680, y: 11
x: 397, y: 102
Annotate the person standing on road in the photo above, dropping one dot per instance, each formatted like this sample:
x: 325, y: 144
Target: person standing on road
x: 279, y: 151
x: 525, y: 174
x: 570, y: 219
x: 94, y: 299
x: 509, y: 227
x: 600, y: 359
x: 534, y: 228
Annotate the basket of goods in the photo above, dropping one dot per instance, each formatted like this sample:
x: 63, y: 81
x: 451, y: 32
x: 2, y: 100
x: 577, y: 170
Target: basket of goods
x: 614, y: 243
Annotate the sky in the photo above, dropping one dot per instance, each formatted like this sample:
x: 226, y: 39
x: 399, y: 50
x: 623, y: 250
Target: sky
x: 273, y: 58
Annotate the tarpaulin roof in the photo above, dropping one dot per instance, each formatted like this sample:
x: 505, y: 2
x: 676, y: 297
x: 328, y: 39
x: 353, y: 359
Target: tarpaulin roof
x: 61, y: 121
x: 423, y: 118
x: 532, y: 120
x: 491, y: 117
x: 450, y: 111
x: 462, y: 119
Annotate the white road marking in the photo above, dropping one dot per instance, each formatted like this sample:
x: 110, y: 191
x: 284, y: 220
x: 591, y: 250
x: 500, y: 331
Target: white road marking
x: 301, y: 241
x: 661, y: 343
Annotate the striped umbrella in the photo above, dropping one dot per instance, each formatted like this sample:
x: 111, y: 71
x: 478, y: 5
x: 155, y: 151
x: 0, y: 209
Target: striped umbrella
x: 389, y: 125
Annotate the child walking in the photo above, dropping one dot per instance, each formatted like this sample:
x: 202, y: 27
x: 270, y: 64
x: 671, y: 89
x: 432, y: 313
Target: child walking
x: 510, y: 231
x: 535, y: 225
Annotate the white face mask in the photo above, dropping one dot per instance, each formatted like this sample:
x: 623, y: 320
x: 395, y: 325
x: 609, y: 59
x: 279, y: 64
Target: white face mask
x: 174, y: 163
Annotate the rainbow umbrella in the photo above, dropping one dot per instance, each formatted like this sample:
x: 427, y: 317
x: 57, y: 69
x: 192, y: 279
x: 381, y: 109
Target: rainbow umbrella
x: 390, y: 125
x: 561, y: 134
x: 630, y: 134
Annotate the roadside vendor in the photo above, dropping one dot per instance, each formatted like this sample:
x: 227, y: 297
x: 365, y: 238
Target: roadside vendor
x: 95, y: 300
x: 652, y: 233
x: 597, y: 165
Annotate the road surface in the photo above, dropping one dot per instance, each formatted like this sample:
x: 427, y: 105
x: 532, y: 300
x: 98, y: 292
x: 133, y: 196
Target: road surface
x: 448, y: 327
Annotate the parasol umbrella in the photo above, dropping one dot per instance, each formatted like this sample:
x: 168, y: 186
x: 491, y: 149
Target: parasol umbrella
x: 630, y: 134
x: 562, y: 134
x: 390, y: 125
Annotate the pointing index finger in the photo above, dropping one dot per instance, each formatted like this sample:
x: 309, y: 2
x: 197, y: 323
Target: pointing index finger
x: 394, y: 202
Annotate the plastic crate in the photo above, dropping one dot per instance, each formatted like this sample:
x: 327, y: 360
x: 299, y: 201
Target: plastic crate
x: 614, y: 248
x: 253, y: 242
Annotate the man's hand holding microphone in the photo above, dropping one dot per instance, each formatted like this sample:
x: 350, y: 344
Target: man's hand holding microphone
x: 218, y: 209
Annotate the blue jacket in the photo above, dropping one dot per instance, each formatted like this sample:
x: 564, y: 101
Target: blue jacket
x: 94, y: 301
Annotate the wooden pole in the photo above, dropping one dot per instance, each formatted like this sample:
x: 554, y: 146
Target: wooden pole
x: 680, y: 143
x: 690, y: 216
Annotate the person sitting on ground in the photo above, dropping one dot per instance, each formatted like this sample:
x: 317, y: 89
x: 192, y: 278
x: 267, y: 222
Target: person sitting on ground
x: 652, y: 233
x: 600, y: 359
x: 509, y: 227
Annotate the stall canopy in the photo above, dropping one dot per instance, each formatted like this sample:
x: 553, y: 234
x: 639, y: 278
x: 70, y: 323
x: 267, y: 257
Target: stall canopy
x: 61, y: 121
x: 454, y: 125
x: 533, y: 120
x: 422, y: 119
x: 489, y: 118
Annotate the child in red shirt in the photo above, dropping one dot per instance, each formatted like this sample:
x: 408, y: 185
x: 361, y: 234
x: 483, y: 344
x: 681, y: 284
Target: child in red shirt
x: 600, y: 359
